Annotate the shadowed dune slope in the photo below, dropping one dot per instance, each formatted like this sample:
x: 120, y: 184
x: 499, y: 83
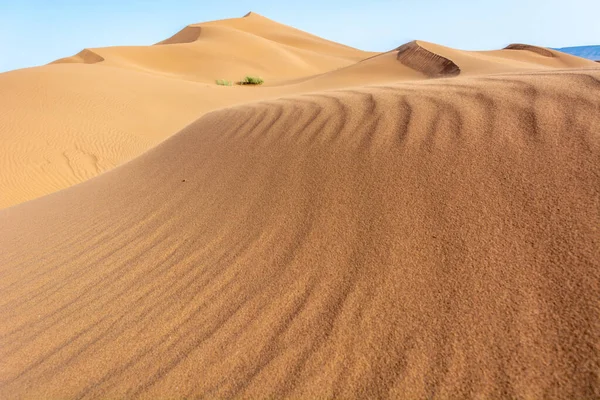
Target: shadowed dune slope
x: 380, y: 69
x: 419, y: 60
x: 430, y: 64
x: 186, y: 35
x: 408, y: 62
x: 539, y: 50
x: 85, y: 56
x: 521, y: 58
x: 436, y: 239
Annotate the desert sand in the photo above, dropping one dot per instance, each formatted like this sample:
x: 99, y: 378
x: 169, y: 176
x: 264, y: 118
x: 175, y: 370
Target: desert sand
x: 420, y: 223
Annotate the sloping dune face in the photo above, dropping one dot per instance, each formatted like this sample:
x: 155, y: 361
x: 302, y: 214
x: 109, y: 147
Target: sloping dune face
x: 230, y: 49
x: 430, y: 64
x: 85, y: 56
x: 188, y: 34
x: 422, y: 240
x: 63, y: 124
x: 83, y: 115
x: 258, y: 25
x: 539, y: 50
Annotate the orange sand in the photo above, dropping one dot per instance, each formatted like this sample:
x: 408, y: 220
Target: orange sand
x: 434, y: 235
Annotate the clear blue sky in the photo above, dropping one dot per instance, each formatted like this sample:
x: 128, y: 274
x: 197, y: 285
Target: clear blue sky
x: 34, y: 32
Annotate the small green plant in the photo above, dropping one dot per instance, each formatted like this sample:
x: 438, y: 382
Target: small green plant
x: 252, y: 80
x: 223, y: 82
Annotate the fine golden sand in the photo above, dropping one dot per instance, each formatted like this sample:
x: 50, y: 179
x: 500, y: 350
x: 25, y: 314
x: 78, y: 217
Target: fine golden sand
x: 422, y: 223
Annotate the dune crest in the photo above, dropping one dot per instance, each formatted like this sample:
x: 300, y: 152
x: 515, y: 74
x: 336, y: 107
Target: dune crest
x: 188, y: 34
x: 414, y: 56
x: 106, y: 128
x: 85, y: 56
x: 539, y: 50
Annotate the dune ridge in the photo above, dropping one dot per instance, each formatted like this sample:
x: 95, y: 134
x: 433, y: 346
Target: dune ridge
x: 430, y: 64
x: 85, y: 56
x: 117, y: 99
x: 227, y: 49
x: 186, y: 35
x: 429, y: 239
x: 536, y: 49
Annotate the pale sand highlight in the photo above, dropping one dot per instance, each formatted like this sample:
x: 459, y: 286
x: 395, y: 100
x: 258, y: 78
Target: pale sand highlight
x: 415, y: 239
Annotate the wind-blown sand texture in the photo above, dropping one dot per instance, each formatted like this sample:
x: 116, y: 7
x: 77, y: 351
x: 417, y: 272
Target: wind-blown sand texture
x: 69, y: 121
x: 416, y: 238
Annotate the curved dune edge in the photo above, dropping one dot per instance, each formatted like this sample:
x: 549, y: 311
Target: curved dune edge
x: 85, y: 56
x: 536, y: 49
x: 322, y: 246
x: 420, y: 59
x: 192, y: 33
x: 188, y: 34
x: 104, y: 126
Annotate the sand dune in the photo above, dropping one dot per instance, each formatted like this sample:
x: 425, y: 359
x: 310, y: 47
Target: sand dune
x: 420, y: 223
x: 258, y: 25
x: 231, y: 49
x: 432, y: 239
x: 509, y: 60
x: 85, y: 56
x: 189, y: 34
x: 418, y: 60
x: 83, y: 115
x: 63, y: 124
x: 538, y: 50
x: 432, y: 65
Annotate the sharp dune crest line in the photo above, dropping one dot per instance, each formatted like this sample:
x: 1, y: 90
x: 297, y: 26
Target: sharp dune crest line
x: 188, y: 34
x: 430, y: 64
x: 535, y: 49
x: 419, y: 240
x: 85, y: 56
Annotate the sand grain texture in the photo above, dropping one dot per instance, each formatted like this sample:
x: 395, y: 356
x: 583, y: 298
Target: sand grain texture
x: 421, y: 223
x: 420, y: 240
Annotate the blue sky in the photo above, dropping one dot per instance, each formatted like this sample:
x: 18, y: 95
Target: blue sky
x: 35, y: 32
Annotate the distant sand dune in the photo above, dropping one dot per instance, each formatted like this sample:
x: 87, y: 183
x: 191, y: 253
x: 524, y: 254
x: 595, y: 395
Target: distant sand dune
x: 187, y: 35
x: 539, y: 50
x: 85, y: 56
x: 431, y: 239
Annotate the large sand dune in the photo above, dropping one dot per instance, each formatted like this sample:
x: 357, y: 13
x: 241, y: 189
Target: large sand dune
x: 230, y: 49
x: 83, y: 115
x: 433, y: 235
x: 415, y: 241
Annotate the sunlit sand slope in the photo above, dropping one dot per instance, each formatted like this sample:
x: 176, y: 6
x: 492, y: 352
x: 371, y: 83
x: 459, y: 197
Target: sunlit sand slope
x: 67, y: 122
x: 230, y: 49
x: 433, y: 239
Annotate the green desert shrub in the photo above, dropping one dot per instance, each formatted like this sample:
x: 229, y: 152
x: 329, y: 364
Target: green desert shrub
x: 252, y: 80
x: 223, y: 82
